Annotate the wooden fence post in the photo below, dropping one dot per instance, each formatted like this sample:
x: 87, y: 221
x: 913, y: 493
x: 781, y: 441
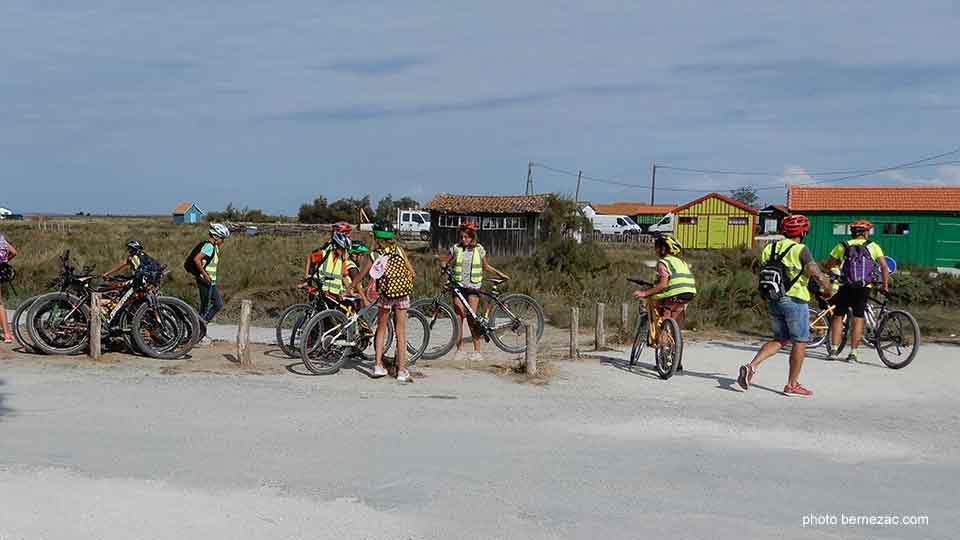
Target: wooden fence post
x: 243, y: 335
x: 624, y: 322
x: 600, y: 339
x: 531, y: 352
x: 94, y: 337
x: 574, y: 332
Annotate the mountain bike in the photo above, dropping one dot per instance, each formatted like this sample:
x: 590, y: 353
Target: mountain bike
x: 655, y: 330
x: 333, y: 336
x: 894, y: 333
x: 502, y: 321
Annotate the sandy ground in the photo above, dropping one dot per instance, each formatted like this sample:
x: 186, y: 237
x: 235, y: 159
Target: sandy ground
x: 137, y: 448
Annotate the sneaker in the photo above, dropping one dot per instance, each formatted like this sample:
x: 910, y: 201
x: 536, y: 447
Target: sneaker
x: 7, y: 338
x: 852, y: 357
x: 796, y: 391
x: 476, y: 357
x: 404, y: 376
x: 379, y: 371
x: 746, y: 376
x: 833, y: 354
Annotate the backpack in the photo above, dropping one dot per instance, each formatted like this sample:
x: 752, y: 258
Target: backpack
x: 149, y: 265
x: 774, y: 277
x: 396, y: 281
x: 189, y: 265
x: 858, y: 265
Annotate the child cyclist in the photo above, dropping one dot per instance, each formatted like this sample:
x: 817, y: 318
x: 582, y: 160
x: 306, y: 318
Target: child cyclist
x: 315, y: 256
x: 132, y: 261
x: 331, y: 274
x: 675, y: 286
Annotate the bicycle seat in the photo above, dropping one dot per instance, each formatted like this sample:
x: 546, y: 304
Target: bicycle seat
x: 497, y: 281
x: 641, y: 282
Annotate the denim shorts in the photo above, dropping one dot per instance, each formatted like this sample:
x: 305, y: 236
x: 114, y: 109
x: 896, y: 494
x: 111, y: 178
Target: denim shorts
x: 791, y: 320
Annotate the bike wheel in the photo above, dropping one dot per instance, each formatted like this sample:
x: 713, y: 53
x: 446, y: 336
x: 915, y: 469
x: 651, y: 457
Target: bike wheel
x: 324, y: 342
x: 290, y: 326
x: 639, y: 339
x: 897, y: 339
x: 21, y: 334
x: 190, y: 319
x: 669, y: 348
x: 418, y: 335
x: 819, y: 329
x: 59, y: 323
x: 158, y: 331
x: 442, y: 325
x: 507, y: 320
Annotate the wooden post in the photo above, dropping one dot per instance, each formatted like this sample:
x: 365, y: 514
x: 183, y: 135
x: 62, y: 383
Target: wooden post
x: 95, y: 301
x: 600, y: 339
x: 624, y: 322
x: 574, y: 332
x: 243, y: 335
x: 531, y: 352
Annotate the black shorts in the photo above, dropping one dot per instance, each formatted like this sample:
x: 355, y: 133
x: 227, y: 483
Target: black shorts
x: 851, y: 299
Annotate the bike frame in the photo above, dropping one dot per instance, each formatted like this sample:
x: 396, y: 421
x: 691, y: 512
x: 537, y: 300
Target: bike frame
x: 457, y: 290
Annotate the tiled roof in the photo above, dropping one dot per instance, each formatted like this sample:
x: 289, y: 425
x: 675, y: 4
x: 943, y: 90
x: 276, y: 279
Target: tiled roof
x: 633, y: 209
x: 917, y: 198
x: 182, y: 208
x: 723, y: 198
x: 488, y: 204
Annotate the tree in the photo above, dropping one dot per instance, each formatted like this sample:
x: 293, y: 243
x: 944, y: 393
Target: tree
x: 388, y: 206
x: 746, y: 195
x: 314, y: 213
x: 562, y: 215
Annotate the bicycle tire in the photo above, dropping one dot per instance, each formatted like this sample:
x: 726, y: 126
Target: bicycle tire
x: 191, y: 320
x: 317, y: 351
x: 289, y: 339
x: 669, y: 348
x: 890, y: 318
x: 819, y: 333
x: 159, y: 319
x: 516, y: 324
x: 22, y: 337
x: 436, y: 313
x: 79, y: 324
x: 639, y: 340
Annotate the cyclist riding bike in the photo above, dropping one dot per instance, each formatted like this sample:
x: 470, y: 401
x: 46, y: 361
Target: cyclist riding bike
x: 132, y: 261
x: 860, y: 260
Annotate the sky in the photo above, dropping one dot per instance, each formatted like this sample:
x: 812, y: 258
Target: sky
x: 120, y: 106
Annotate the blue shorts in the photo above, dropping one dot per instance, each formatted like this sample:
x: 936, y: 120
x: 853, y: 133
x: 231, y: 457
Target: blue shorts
x: 791, y: 320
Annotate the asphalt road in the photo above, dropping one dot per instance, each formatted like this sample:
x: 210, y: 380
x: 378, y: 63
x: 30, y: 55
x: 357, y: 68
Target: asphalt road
x: 117, y: 451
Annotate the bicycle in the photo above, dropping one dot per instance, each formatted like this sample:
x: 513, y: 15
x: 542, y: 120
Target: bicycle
x: 894, y: 333
x: 513, y: 309
x: 655, y: 330
x: 333, y: 336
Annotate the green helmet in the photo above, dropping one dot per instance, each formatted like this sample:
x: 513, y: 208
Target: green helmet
x: 384, y: 229
x: 358, y: 248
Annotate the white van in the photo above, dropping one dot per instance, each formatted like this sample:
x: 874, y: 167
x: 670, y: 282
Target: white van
x: 414, y: 223
x: 664, y: 226
x: 604, y: 224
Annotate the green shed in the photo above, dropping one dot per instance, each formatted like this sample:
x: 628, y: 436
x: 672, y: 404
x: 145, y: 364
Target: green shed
x: 914, y: 225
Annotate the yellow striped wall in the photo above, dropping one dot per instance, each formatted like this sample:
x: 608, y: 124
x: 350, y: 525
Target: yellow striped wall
x: 718, y: 225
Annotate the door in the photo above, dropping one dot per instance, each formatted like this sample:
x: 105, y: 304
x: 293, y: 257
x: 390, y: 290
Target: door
x: 717, y: 238
x: 701, y: 238
x: 947, y: 249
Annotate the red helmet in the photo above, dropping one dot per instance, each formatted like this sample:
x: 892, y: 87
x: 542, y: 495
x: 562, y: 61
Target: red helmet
x: 468, y: 226
x: 862, y: 225
x: 795, y: 225
x: 342, y: 227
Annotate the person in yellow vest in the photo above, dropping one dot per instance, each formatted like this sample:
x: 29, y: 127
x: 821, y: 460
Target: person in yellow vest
x: 469, y: 261
x: 206, y: 261
x: 132, y: 261
x: 334, y: 268
x: 786, y: 269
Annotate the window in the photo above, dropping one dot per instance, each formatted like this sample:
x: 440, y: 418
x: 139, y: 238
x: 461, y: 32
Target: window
x: 417, y: 218
x: 841, y: 229
x: 405, y: 218
x: 688, y: 220
x: 898, y: 229
x: 492, y: 223
x: 426, y: 217
x: 737, y: 221
x: 621, y: 222
x: 629, y: 221
x: 448, y: 221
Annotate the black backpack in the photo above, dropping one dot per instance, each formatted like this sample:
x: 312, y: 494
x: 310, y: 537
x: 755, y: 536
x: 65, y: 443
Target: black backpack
x: 774, y: 277
x: 149, y: 265
x: 189, y: 265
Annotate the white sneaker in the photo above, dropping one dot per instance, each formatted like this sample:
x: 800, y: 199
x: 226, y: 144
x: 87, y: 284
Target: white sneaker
x: 833, y: 355
x: 404, y: 376
x: 476, y: 357
x: 379, y: 371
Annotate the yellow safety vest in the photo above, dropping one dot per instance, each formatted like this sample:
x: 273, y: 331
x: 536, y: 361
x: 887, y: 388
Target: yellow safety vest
x: 476, y: 264
x: 211, y: 266
x: 332, y: 275
x: 681, y: 279
x: 799, y: 291
x: 134, y: 262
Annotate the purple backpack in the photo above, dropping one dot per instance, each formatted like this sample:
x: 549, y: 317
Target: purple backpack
x: 858, y: 265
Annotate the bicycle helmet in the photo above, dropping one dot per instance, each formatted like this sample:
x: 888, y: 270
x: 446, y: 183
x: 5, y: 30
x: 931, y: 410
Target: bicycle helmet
x: 341, y: 240
x: 342, y: 227
x: 795, y: 225
x: 357, y: 247
x: 135, y: 246
x: 670, y: 245
x: 468, y: 226
x: 861, y: 226
x: 219, y: 230
x: 384, y: 229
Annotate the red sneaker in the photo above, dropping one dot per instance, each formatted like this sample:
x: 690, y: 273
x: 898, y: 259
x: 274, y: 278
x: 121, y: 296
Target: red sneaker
x: 746, y: 376
x: 796, y: 390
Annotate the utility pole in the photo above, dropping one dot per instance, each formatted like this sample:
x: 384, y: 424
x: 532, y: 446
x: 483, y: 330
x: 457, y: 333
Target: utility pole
x: 529, y: 178
x: 653, y: 184
x: 576, y: 198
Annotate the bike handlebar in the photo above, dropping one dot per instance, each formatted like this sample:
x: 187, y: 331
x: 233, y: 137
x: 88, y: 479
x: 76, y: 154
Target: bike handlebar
x: 641, y: 282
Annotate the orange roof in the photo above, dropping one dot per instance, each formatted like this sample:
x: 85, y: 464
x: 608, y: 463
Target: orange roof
x: 727, y: 200
x: 487, y: 204
x: 633, y: 209
x: 915, y: 198
x: 182, y: 208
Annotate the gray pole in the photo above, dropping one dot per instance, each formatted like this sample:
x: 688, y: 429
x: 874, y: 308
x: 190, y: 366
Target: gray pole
x: 529, y: 178
x: 653, y: 184
x: 576, y: 198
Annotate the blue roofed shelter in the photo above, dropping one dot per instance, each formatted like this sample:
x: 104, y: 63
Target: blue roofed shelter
x: 187, y: 212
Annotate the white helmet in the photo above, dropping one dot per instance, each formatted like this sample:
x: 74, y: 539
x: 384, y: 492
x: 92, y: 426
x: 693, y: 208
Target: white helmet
x: 219, y: 230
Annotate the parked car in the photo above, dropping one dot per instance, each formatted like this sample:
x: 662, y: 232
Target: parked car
x: 607, y: 224
x: 409, y: 223
x: 664, y: 226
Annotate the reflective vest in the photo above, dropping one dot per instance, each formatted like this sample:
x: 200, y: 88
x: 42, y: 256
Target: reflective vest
x: 332, y: 275
x: 134, y: 262
x: 211, y: 266
x: 476, y: 265
x: 680, y: 281
x: 799, y: 291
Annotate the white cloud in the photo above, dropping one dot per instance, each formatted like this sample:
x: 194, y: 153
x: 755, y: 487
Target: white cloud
x: 949, y: 174
x: 795, y: 174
